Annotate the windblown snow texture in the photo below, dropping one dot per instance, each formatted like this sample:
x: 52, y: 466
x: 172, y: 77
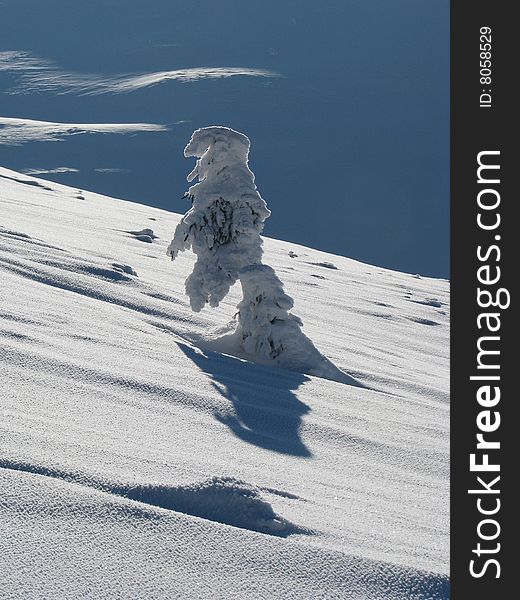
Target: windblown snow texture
x: 138, y: 463
x: 34, y: 74
x: 224, y: 224
x: 15, y: 132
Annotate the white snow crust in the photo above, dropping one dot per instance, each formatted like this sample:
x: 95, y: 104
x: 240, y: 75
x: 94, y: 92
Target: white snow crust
x: 138, y: 463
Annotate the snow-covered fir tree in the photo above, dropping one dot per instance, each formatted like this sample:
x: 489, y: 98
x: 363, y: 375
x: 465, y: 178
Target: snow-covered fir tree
x: 223, y: 229
x: 224, y: 223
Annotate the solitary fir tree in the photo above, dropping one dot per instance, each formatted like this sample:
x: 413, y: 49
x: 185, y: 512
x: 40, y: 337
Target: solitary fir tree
x: 223, y: 229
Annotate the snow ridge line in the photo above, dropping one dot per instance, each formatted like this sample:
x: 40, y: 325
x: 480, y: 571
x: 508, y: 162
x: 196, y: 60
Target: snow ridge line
x: 225, y: 500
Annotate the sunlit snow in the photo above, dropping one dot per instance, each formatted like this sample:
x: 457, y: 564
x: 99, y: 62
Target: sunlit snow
x: 137, y: 463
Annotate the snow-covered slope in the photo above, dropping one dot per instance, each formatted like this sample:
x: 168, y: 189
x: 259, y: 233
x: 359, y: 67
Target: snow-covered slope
x: 134, y: 464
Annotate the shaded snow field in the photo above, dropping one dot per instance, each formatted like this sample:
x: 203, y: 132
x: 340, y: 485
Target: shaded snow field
x: 136, y: 463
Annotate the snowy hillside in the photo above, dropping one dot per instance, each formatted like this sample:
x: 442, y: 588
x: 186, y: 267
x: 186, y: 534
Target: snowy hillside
x: 136, y: 465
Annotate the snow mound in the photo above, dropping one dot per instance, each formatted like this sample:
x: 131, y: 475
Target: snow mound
x: 266, y: 333
x: 148, y: 232
x: 65, y: 542
x: 325, y: 265
x: 144, y: 235
x: 222, y: 499
x: 124, y: 269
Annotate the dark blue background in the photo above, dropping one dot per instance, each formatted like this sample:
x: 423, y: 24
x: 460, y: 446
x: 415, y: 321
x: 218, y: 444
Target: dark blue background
x: 350, y: 147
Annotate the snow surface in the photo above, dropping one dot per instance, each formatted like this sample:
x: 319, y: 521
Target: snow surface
x: 136, y: 465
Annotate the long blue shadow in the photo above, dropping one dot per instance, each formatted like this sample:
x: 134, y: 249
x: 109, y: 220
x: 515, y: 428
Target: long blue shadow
x: 267, y: 412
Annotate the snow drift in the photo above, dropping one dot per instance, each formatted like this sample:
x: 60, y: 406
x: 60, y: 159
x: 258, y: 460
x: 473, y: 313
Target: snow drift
x: 265, y: 332
x: 121, y: 441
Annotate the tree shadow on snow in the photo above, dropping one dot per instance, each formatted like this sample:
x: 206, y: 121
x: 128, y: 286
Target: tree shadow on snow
x: 267, y: 412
